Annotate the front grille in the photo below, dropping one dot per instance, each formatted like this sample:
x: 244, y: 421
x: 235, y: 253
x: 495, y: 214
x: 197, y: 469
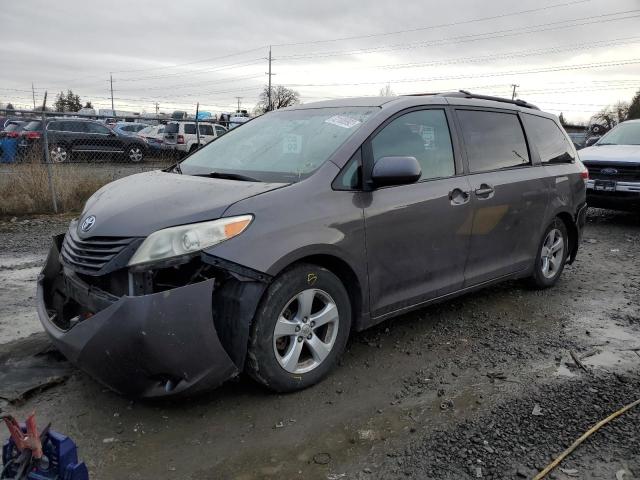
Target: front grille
x: 629, y: 172
x: 92, y: 254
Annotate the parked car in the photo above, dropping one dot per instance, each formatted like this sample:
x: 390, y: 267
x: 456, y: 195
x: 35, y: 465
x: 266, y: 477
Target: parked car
x: 154, y: 136
x: 12, y: 128
x: 183, y: 138
x: 265, y: 249
x: 69, y: 138
x: 578, y: 139
x: 129, y: 128
x: 30, y: 138
x: 614, y: 168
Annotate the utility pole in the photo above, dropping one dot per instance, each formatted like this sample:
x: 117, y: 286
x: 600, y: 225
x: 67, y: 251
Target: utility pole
x: 513, y: 95
x: 33, y: 93
x: 269, y: 105
x: 157, y: 109
x: 239, y: 98
x: 113, y: 110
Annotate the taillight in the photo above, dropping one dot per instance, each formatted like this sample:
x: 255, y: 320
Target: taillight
x: 12, y: 134
x: 180, y: 139
x: 32, y: 135
x: 584, y: 173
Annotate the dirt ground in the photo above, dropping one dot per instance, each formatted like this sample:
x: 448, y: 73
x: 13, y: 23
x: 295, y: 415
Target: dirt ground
x: 482, y: 386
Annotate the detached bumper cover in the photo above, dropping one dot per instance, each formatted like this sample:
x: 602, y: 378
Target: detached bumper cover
x: 146, y: 346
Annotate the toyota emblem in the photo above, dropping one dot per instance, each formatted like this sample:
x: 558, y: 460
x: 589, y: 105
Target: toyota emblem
x: 88, y: 223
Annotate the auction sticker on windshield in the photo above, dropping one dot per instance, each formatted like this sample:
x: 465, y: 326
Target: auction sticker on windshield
x: 342, y: 121
x: 292, y: 143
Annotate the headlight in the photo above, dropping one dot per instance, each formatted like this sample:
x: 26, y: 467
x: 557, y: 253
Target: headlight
x: 185, y: 239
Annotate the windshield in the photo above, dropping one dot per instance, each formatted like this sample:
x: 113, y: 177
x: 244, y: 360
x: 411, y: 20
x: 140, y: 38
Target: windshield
x: 283, y: 146
x: 623, y: 134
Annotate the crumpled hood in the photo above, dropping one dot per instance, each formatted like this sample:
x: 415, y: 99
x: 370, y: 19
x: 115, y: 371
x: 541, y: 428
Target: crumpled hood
x: 612, y: 153
x: 138, y: 205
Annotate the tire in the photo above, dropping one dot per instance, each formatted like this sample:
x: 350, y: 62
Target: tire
x: 193, y: 148
x: 271, y: 356
x: 552, y: 255
x: 135, y: 153
x: 59, y: 153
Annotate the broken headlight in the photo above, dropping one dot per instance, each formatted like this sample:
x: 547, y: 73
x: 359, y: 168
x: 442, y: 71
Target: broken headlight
x: 185, y: 239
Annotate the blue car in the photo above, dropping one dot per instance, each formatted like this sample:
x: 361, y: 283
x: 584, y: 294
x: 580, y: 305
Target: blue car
x: 128, y: 128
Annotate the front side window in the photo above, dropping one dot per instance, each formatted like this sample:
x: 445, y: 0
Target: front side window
x: 422, y: 134
x: 281, y: 146
x: 74, y: 127
x: 551, y: 143
x: 97, y: 128
x: 205, y: 129
x: 220, y: 130
x: 493, y: 140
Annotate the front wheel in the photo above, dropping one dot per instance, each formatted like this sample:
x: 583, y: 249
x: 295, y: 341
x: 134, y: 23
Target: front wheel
x: 135, y: 153
x: 300, y: 330
x: 552, y: 255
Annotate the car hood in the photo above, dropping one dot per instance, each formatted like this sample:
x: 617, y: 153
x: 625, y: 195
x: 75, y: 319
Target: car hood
x: 138, y: 205
x: 611, y: 153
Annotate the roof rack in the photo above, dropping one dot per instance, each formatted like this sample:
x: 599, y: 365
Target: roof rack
x: 467, y: 94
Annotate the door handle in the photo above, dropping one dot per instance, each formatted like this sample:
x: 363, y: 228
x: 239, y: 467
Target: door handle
x: 484, y: 191
x: 458, y: 196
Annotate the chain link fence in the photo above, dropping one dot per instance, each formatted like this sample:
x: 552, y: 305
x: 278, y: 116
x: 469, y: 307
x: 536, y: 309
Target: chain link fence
x: 52, y: 161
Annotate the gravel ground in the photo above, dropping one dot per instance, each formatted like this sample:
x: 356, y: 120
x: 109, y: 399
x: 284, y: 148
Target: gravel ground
x: 415, y: 397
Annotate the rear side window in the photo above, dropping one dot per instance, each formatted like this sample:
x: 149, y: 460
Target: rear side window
x: 551, y: 143
x: 205, y: 129
x: 190, y: 128
x: 493, y: 140
x: 172, y: 128
x: 422, y: 134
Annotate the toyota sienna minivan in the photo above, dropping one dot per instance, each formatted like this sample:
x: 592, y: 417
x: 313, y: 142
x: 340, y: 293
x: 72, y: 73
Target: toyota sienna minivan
x: 263, y: 251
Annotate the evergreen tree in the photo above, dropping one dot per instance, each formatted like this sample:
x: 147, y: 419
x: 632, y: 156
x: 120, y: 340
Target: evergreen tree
x: 634, y: 107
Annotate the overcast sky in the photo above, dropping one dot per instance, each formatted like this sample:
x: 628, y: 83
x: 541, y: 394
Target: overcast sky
x: 566, y: 55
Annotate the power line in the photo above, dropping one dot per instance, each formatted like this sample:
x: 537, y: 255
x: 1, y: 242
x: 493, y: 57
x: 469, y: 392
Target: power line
x: 472, y: 37
x: 478, y: 75
x: 431, y: 27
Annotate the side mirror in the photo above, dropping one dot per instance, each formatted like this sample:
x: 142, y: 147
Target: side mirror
x: 395, y: 171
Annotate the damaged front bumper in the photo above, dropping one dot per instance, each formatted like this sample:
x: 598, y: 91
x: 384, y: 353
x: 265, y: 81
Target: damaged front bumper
x: 178, y: 341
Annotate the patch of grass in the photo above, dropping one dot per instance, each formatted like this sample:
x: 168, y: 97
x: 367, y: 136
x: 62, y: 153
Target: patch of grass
x: 24, y: 188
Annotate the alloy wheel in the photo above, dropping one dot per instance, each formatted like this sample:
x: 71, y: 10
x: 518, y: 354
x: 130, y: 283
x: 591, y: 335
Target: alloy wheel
x: 58, y: 154
x: 135, y: 154
x: 306, y: 331
x: 552, y: 253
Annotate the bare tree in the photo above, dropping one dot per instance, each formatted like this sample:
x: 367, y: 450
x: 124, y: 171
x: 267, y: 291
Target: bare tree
x: 281, y: 97
x: 386, y: 91
x: 612, y: 115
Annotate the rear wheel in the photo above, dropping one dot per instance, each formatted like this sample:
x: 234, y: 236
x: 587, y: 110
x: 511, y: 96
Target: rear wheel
x: 300, y: 329
x: 59, y: 154
x: 552, y: 255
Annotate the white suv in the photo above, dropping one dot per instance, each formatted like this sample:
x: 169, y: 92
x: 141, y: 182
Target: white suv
x: 183, y: 138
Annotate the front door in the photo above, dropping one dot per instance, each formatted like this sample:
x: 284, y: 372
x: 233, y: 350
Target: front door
x: 508, y: 194
x: 417, y: 235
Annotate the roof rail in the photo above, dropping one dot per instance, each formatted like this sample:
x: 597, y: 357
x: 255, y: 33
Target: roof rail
x: 467, y: 94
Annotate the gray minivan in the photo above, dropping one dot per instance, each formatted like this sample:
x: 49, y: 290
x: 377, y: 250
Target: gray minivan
x: 264, y: 250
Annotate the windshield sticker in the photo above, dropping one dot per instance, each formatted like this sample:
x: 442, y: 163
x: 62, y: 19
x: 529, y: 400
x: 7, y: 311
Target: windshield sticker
x: 342, y: 121
x: 292, y: 143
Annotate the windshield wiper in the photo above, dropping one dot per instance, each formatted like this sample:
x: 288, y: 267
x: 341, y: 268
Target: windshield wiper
x: 228, y: 176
